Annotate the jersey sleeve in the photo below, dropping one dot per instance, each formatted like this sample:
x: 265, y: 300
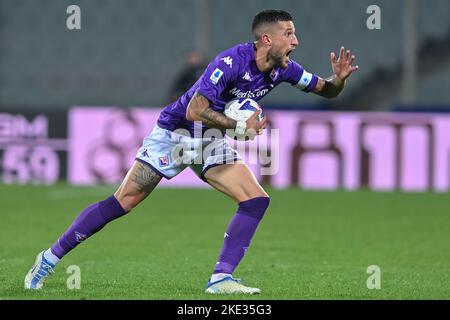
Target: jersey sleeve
x: 296, y: 75
x: 217, y: 76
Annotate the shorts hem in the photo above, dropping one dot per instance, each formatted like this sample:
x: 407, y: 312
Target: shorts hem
x: 153, y: 168
x: 202, y: 174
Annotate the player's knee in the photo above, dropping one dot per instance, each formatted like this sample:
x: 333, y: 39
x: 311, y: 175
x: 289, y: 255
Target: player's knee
x: 129, y: 198
x: 257, y: 194
x: 128, y: 203
x: 246, y: 195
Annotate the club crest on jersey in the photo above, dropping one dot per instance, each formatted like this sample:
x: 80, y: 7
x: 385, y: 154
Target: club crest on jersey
x: 163, y: 161
x: 216, y: 75
x: 273, y: 74
x: 80, y: 237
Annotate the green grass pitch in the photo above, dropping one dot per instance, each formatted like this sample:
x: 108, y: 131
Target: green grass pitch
x: 310, y: 245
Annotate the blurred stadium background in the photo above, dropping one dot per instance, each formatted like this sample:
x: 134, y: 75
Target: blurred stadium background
x: 59, y: 86
x: 128, y: 52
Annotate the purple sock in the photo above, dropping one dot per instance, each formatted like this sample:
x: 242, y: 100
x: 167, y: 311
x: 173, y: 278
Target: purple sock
x: 240, y: 232
x: 90, y: 220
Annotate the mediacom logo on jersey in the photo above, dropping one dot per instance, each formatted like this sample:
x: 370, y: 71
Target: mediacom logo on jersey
x: 248, y: 94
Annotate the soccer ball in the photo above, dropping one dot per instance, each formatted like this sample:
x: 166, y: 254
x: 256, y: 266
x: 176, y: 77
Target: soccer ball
x: 241, y: 110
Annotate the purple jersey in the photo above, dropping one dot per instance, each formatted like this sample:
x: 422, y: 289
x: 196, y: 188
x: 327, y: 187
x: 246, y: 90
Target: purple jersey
x: 234, y: 74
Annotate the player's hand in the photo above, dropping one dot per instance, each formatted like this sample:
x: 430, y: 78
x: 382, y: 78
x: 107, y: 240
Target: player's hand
x: 254, y: 126
x: 343, y: 66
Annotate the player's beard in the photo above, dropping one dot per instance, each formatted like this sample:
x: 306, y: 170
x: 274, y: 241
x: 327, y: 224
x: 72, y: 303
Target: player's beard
x: 278, y: 60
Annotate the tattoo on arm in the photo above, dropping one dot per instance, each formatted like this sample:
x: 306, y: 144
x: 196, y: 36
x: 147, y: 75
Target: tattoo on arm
x: 337, y: 83
x: 145, y: 178
x: 214, y: 119
x: 199, y: 105
x: 330, y: 87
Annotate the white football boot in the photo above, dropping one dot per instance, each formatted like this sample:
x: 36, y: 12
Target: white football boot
x: 229, y: 285
x: 40, y: 271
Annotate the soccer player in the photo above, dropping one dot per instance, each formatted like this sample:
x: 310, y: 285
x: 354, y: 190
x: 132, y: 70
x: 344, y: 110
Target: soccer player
x: 249, y: 70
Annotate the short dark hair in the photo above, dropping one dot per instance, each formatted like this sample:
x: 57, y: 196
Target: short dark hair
x: 269, y: 17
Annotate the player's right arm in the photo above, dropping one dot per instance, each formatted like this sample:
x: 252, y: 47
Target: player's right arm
x: 199, y: 110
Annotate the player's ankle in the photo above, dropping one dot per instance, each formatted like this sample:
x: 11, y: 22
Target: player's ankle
x: 219, y: 276
x: 51, y: 257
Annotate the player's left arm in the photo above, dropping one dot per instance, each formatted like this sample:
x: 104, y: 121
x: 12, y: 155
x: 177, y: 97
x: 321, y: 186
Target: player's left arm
x: 342, y: 68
